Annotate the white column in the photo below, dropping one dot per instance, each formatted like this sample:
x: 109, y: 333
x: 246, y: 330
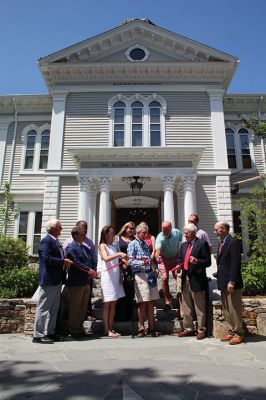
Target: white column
x: 83, y: 209
x: 168, y: 183
x: 51, y: 200
x: 104, y: 183
x: 4, y: 123
x: 92, y: 193
x: 57, y: 131
x: 181, y: 209
x: 189, y: 196
x: 218, y: 128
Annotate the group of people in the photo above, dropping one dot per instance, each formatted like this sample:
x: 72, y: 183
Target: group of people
x: 128, y: 265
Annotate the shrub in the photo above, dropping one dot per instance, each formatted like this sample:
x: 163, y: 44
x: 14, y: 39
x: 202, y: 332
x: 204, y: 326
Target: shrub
x: 254, y: 277
x: 18, y: 282
x: 13, y: 253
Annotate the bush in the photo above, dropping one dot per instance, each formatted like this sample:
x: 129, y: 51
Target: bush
x: 254, y: 277
x: 18, y: 282
x: 13, y: 253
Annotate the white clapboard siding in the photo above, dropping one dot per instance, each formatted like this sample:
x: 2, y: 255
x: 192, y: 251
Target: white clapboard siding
x: 206, y: 197
x: 20, y: 181
x: 187, y: 122
x: 68, y: 205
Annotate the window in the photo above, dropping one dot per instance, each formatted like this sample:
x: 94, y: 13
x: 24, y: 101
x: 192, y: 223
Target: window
x: 137, y: 112
x: 245, y: 150
x: 239, y: 147
x: 155, y: 123
x: 231, y: 152
x: 29, y: 229
x: 119, y: 124
x: 36, y: 147
x: 23, y: 226
x: 45, y: 139
x: 137, y: 121
x: 29, y: 156
x: 37, y: 232
x: 137, y: 53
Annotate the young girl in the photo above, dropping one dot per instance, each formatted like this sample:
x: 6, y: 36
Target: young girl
x: 111, y: 283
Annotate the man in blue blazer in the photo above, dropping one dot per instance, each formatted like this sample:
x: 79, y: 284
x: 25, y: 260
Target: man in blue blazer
x: 78, y: 281
x: 230, y: 282
x: 51, y: 263
x: 194, y: 258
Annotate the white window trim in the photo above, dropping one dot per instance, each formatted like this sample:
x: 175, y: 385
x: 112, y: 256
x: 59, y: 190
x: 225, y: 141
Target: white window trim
x: 238, y: 153
x: 128, y: 118
x: 31, y: 210
x: 37, y: 147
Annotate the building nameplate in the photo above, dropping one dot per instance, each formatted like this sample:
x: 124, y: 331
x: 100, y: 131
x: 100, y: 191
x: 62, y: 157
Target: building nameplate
x: 136, y: 164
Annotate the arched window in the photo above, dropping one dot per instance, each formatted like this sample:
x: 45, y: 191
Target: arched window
x: 155, y: 123
x: 231, y: 151
x: 119, y: 124
x: 137, y: 123
x: 245, y: 149
x: 45, y: 139
x: 30, y: 149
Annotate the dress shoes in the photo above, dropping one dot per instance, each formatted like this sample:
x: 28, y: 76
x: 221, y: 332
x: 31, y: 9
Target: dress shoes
x: 226, y: 338
x: 236, y: 340
x: 44, y: 340
x: 200, y: 335
x: 186, y: 333
x: 54, y: 338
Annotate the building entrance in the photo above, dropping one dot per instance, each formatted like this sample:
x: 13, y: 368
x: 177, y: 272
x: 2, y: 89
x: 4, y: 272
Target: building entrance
x: 137, y: 215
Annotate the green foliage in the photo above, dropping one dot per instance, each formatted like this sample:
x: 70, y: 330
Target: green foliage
x: 13, y: 253
x: 7, y: 208
x: 254, y: 277
x: 255, y: 123
x: 18, y: 282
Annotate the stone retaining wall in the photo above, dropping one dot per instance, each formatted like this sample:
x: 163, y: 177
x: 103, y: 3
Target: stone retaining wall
x: 17, y: 316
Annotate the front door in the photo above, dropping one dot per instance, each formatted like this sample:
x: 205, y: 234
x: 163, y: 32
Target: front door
x: 137, y: 215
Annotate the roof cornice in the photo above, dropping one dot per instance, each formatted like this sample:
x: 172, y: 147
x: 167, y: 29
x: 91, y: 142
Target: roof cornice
x: 245, y: 103
x: 26, y: 104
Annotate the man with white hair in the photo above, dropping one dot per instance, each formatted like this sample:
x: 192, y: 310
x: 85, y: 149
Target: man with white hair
x: 194, y: 258
x: 51, y: 263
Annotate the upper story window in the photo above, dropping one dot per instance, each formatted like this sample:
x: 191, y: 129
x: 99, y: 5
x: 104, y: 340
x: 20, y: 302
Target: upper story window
x: 137, y: 121
x: 30, y: 148
x: 155, y: 123
x: 119, y: 123
x: 239, y: 147
x: 35, y: 147
x: 231, y: 151
x: 245, y: 149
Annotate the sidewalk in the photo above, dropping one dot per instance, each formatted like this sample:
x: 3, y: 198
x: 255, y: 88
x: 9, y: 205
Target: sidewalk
x: 165, y: 367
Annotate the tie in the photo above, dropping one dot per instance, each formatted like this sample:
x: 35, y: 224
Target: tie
x: 220, y: 248
x: 188, y: 252
x: 59, y: 244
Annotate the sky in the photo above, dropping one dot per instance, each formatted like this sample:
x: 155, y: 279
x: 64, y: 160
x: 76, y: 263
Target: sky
x: 30, y: 29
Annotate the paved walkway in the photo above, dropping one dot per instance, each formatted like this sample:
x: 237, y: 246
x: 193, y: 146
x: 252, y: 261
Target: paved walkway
x: 162, y: 368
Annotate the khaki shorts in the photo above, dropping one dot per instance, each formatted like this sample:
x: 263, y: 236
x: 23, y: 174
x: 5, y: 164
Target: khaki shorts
x: 143, y: 291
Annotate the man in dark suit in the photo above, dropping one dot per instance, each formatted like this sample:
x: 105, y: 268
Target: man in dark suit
x: 230, y: 282
x: 194, y: 258
x: 78, y: 281
x: 51, y: 263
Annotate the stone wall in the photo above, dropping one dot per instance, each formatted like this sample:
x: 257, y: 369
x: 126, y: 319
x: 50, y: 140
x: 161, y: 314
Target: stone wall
x: 17, y: 316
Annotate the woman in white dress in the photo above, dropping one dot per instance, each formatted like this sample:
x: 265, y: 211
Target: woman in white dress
x: 111, y: 282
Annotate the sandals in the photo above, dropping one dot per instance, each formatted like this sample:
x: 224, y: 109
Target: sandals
x: 141, y: 332
x: 112, y: 334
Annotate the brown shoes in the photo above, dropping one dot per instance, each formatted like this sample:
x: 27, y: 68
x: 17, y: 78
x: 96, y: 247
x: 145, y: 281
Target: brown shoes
x: 186, y: 333
x: 236, y: 340
x: 200, y: 335
x: 226, y: 338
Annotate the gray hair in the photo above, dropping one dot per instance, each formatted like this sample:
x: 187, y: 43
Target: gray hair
x: 190, y: 228
x: 140, y: 227
x: 51, y: 224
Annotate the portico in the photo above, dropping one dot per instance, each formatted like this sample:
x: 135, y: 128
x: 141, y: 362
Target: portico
x: 100, y: 173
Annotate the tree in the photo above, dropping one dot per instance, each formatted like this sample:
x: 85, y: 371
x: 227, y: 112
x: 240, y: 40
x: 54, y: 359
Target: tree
x: 7, y: 208
x: 253, y: 217
x: 255, y: 123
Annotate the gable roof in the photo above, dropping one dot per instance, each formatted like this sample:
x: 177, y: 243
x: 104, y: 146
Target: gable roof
x: 170, y: 49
